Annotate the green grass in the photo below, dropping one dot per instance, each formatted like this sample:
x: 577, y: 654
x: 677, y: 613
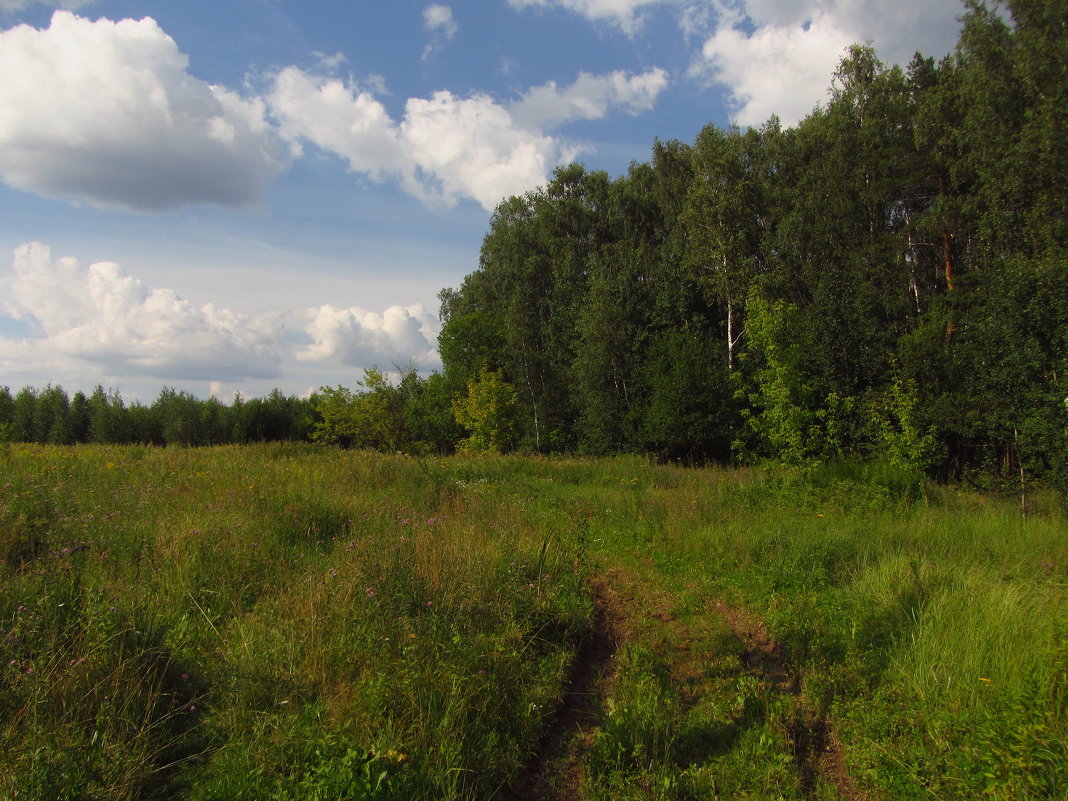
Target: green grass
x: 288, y: 622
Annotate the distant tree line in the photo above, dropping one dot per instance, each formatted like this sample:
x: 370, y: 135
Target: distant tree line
x: 887, y: 279
x: 413, y: 415
x: 50, y: 416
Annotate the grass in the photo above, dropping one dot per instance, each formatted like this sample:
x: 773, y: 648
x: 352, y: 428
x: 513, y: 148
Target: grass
x: 288, y: 622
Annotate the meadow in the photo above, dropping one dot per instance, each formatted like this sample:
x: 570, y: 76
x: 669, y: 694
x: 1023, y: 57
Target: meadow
x: 290, y: 622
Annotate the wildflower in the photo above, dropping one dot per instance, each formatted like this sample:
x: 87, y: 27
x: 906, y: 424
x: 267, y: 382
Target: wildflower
x: 369, y: 593
x: 429, y: 603
x: 988, y: 681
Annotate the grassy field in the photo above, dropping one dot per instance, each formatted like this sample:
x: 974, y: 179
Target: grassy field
x: 286, y: 622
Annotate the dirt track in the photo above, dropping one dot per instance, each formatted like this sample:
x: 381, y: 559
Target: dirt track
x: 555, y: 771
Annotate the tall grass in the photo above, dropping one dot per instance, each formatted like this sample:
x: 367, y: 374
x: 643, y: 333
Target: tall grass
x: 223, y: 623
x: 284, y: 622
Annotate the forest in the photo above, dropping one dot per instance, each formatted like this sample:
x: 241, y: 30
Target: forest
x: 887, y: 279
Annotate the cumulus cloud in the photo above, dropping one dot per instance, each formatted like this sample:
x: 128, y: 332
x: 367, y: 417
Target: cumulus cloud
x: 448, y: 147
x: 623, y: 13
x: 101, y: 321
x: 775, y: 70
x: 589, y: 98
x: 438, y: 21
x: 359, y: 338
x: 778, y: 56
x: 107, y: 112
x: 445, y: 147
x: 472, y: 147
x: 104, y: 317
x: 338, y: 117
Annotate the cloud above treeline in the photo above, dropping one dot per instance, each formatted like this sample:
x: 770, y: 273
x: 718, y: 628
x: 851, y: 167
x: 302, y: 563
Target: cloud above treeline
x: 778, y: 56
x: 105, y: 319
x: 448, y: 147
x: 108, y: 113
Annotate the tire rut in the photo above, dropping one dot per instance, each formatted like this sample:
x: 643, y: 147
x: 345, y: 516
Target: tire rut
x: 817, y: 751
x: 554, y: 772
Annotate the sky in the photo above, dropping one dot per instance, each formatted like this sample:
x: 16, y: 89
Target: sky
x: 238, y: 195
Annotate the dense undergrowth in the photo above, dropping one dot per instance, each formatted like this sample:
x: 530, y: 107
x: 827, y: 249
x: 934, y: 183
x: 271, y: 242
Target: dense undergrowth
x: 287, y: 622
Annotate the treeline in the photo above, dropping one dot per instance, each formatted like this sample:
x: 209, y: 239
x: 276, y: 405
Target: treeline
x: 414, y: 414
x: 888, y: 278
x: 50, y: 416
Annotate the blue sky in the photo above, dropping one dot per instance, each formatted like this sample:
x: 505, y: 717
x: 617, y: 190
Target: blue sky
x: 243, y: 194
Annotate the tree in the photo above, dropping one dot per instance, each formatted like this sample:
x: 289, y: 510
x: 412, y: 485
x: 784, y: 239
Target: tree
x: 488, y: 412
x: 726, y: 217
x: 79, y: 417
x: 373, y: 418
x: 51, y: 419
x: 108, y: 419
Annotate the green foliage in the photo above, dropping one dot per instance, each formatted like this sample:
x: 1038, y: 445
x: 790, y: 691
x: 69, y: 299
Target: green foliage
x: 901, y: 437
x: 488, y: 413
x: 886, y: 278
x: 690, y: 413
x: 372, y: 419
x: 778, y: 415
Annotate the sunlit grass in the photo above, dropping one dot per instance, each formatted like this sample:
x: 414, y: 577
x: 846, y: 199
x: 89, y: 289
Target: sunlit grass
x: 278, y: 621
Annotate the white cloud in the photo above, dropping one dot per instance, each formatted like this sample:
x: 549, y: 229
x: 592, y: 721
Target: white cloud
x: 340, y: 118
x: 898, y: 28
x: 471, y: 147
x: 589, y: 98
x: 359, y: 338
x: 778, y: 56
x: 446, y: 147
x: 624, y: 13
x: 438, y: 21
x: 106, y: 112
x: 100, y: 324
x: 103, y: 317
x: 775, y: 70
